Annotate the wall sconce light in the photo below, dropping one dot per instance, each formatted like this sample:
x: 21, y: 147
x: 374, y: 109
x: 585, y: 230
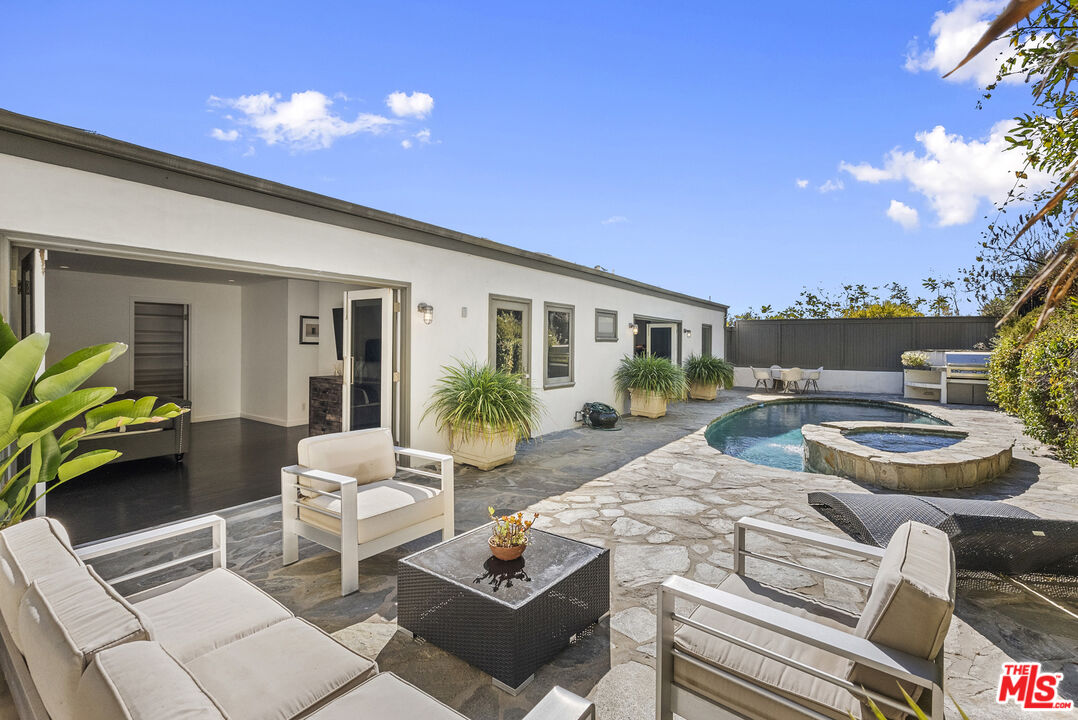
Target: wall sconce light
x: 634, y: 327
x: 688, y: 332
x: 427, y: 311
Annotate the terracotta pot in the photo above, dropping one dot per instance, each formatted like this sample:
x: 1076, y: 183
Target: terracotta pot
x: 505, y: 553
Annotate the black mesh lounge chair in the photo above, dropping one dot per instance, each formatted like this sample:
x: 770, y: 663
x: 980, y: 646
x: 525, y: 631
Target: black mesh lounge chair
x: 985, y: 535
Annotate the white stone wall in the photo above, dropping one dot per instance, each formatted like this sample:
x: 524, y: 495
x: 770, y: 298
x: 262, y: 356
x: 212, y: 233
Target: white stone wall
x: 47, y: 200
x: 861, y: 381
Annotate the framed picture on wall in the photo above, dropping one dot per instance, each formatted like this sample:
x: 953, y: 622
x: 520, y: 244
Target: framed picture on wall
x: 308, y: 330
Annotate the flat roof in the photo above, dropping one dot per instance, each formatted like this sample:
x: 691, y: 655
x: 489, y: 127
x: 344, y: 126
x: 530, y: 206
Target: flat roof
x: 44, y: 141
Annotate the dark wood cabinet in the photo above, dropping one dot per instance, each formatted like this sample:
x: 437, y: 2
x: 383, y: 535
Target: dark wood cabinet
x: 325, y: 404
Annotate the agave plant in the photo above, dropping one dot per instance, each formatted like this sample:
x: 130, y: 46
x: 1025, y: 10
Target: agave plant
x: 33, y: 407
x: 472, y: 400
x: 650, y: 374
x: 709, y: 370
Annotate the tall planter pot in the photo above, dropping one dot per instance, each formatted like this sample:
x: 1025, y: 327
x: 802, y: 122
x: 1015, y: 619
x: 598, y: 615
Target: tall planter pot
x: 485, y: 451
x: 646, y: 404
x: 700, y: 391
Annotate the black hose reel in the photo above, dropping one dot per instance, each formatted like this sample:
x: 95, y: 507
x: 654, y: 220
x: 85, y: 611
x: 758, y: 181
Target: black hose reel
x: 598, y: 416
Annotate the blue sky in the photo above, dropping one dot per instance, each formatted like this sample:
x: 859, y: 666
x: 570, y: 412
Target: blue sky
x: 663, y: 141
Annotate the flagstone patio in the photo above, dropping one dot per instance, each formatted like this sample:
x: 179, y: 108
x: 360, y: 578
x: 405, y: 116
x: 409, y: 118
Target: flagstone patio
x: 665, y: 503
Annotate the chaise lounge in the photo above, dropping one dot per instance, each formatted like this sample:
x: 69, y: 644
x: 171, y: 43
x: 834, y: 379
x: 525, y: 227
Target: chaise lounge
x: 754, y: 651
x: 207, y: 645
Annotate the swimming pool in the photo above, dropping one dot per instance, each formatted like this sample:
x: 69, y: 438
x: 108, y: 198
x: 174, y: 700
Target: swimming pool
x: 904, y: 442
x: 770, y: 433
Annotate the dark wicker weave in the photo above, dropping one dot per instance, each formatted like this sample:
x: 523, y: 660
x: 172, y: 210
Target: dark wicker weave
x: 985, y: 535
x: 505, y: 618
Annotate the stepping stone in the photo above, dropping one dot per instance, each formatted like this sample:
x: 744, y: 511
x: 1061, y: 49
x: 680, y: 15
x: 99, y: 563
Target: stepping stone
x: 682, y: 506
x: 627, y: 527
x: 638, y: 623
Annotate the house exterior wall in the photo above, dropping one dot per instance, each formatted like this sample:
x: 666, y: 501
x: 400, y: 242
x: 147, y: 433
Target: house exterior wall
x: 38, y: 198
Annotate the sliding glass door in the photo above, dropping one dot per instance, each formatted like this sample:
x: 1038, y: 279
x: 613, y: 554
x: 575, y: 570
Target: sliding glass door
x: 368, y: 359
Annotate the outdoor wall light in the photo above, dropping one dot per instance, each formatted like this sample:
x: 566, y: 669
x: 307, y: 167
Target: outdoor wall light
x: 634, y: 327
x: 688, y: 332
x: 427, y: 311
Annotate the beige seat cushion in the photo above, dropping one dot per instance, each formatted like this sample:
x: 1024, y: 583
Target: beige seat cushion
x: 383, y: 507
x: 64, y: 620
x: 29, y: 550
x: 278, y: 672
x: 911, y: 602
x: 386, y: 696
x: 207, y: 612
x: 820, y: 696
x: 140, y: 681
x: 366, y: 455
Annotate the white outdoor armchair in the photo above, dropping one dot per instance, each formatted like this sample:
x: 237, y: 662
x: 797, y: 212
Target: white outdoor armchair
x: 758, y: 652
x: 812, y: 377
x: 344, y: 495
x: 760, y: 376
x: 790, y: 378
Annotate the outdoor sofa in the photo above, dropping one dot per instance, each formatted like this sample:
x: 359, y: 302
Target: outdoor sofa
x: 207, y: 645
x: 750, y: 650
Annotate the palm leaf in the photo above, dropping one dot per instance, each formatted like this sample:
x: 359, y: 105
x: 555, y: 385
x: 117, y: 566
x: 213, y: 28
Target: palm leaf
x: 1014, y: 13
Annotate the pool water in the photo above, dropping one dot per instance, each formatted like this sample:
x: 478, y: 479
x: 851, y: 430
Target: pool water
x: 770, y: 433
x: 903, y: 442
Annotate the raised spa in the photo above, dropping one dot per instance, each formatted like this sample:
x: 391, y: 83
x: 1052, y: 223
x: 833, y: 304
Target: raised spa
x: 904, y: 456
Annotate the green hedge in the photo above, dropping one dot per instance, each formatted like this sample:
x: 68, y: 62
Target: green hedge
x: 1038, y: 381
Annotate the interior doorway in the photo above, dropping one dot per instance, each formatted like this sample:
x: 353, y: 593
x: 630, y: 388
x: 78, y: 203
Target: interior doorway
x: 660, y: 337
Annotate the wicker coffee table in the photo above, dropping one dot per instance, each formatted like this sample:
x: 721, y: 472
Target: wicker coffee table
x: 505, y: 618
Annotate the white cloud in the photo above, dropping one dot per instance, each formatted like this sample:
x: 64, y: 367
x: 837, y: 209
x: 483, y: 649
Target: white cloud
x: 423, y: 135
x: 615, y: 220
x: 953, y: 33
x: 904, y: 215
x: 955, y: 174
x: 302, y: 122
x: 802, y: 184
x: 227, y: 136
x: 406, y: 144
x: 417, y: 105
x: 831, y: 186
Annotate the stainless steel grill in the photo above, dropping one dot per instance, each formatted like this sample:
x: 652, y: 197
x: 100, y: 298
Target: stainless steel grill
x: 967, y: 366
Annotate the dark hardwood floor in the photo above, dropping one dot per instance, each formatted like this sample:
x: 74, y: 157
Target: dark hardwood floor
x: 230, y: 462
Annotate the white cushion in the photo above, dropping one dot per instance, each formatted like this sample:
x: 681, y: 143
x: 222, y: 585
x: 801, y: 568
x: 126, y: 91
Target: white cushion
x: 386, y: 696
x: 366, y: 455
x: 209, y: 611
x: 64, y: 620
x: 279, y: 672
x: 29, y: 550
x: 383, y: 507
x: 140, y: 681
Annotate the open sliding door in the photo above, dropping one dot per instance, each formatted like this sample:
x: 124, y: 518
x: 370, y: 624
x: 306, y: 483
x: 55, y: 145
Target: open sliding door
x: 368, y: 344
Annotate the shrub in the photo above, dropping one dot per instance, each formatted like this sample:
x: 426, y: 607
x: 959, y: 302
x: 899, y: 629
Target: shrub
x: 1038, y: 381
x: 472, y: 400
x: 648, y: 373
x: 709, y: 370
x: 914, y: 359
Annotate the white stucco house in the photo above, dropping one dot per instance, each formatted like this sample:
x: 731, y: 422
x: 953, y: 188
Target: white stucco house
x: 225, y: 287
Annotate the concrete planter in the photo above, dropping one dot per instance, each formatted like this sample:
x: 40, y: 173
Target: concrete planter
x: 486, y: 451
x: 699, y: 391
x: 646, y: 404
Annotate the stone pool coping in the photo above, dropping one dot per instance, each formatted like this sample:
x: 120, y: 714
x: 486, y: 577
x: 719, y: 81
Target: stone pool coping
x: 971, y: 461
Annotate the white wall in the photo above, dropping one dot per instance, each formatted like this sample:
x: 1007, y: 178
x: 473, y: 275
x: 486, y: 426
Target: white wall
x: 302, y: 359
x: 861, y: 381
x: 84, y: 309
x: 265, y: 351
x: 55, y: 201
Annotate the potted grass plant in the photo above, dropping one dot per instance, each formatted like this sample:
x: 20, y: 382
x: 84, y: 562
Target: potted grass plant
x: 485, y: 411
x: 651, y: 382
x: 705, y: 373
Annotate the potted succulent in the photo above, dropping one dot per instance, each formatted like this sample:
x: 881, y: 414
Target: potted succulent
x: 485, y: 411
x: 651, y: 382
x: 705, y: 373
x: 509, y: 535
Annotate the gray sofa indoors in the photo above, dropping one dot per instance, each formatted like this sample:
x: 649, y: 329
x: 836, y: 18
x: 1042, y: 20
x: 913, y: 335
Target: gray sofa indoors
x: 166, y: 438
x: 207, y: 645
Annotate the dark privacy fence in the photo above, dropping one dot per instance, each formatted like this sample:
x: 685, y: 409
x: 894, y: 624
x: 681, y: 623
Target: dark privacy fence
x: 850, y: 344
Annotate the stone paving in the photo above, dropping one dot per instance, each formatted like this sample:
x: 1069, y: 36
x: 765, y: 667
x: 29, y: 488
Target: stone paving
x: 665, y: 503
